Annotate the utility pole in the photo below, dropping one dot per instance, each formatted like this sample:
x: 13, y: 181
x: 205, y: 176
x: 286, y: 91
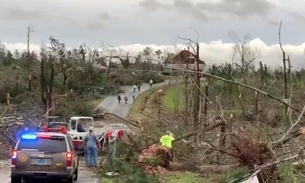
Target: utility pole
x: 29, y: 31
x: 28, y: 40
x: 196, y: 108
x: 187, y: 106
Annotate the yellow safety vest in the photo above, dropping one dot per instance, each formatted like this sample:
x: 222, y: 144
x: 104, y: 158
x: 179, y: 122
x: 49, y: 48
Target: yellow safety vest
x: 166, y: 140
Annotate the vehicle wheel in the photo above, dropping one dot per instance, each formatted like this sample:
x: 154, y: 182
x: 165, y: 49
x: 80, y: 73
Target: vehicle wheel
x: 76, y: 174
x: 16, y: 179
x: 70, y: 179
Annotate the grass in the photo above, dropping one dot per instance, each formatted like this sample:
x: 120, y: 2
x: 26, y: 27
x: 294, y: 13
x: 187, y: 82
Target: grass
x: 138, y: 106
x: 96, y: 102
x: 174, y: 100
x: 184, y: 177
x: 106, y: 180
x: 139, y: 103
x: 174, y: 97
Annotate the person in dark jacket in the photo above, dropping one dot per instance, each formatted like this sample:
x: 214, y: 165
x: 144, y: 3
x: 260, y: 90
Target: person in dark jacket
x: 139, y: 87
x: 119, y: 99
x: 80, y: 128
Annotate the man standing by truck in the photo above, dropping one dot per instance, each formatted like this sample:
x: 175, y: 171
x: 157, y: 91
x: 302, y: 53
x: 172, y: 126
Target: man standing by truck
x: 92, y: 146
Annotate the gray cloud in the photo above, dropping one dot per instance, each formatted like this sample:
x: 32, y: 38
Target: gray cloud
x: 98, y: 22
x: 209, y: 10
x: 273, y: 22
x: 93, y: 22
x: 183, y: 7
x: 104, y: 16
x: 95, y: 25
x: 151, y: 5
x: 240, y: 8
x: 21, y: 14
x: 298, y: 17
x: 166, y: 20
x: 187, y: 8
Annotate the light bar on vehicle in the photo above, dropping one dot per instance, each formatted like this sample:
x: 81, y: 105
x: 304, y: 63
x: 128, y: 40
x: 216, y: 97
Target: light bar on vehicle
x: 41, y: 136
x: 29, y: 136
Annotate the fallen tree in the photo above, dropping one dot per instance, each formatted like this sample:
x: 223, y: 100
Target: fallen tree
x: 102, y: 115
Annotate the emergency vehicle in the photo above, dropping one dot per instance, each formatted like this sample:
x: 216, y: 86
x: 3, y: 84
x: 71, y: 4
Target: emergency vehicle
x: 47, y: 153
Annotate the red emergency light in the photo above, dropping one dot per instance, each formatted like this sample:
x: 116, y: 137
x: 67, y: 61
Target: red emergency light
x: 61, y: 129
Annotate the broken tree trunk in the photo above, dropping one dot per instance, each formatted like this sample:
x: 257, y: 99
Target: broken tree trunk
x: 252, y: 153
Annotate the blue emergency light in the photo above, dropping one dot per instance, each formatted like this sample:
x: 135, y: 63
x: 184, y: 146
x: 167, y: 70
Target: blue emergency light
x: 29, y: 136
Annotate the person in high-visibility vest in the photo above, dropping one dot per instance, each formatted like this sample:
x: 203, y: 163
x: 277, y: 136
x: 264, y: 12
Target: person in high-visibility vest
x: 166, y: 140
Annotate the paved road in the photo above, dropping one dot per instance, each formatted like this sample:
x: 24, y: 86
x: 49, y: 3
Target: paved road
x: 85, y: 174
x: 110, y: 103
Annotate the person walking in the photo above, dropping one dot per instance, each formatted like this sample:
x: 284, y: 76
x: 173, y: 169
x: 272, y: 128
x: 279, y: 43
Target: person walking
x: 92, y: 146
x: 151, y: 82
x: 134, y: 88
x: 119, y: 99
x: 139, y: 87
x: 126, y: 99
x: 133, y: 95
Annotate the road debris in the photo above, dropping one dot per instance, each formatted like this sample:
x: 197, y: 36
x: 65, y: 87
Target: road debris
x: 155, y: 159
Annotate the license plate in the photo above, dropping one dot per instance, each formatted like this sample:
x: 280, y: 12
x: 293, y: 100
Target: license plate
x: 41, y: 162
x: 40, y: 168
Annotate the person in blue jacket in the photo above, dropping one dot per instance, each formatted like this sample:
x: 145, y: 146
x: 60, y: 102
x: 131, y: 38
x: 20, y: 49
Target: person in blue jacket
x: 92, y: 146
x: 80, y: 128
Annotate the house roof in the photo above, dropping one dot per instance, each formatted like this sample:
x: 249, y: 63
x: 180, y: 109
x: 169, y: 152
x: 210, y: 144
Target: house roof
x: 185, y: 57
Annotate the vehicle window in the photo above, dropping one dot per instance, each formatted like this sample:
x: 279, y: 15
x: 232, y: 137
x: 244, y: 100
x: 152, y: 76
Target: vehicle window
x: 44, y: 145
x: 86, y: 123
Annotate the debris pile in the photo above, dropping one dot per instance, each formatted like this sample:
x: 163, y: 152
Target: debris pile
x: 252, y: 153
x: 155, y: 159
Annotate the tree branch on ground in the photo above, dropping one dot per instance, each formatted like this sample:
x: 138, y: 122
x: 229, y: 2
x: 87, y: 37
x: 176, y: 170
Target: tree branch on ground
x: 205, y: 129
x: 127, y: 121
x: 292, y: 126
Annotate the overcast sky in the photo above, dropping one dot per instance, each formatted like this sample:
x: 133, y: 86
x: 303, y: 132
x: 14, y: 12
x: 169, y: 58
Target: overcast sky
x: 158, y: 22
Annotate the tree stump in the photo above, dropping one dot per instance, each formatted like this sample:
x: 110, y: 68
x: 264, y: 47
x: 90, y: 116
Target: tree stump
x: 252, y: 153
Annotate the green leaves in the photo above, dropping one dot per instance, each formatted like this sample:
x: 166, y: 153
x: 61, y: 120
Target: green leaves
x: 237, y: 176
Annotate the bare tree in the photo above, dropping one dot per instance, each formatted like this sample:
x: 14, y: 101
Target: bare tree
x: 158, y: 53
x: 197, y: 95
x: 284, y: 60
x: 243, y: 55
